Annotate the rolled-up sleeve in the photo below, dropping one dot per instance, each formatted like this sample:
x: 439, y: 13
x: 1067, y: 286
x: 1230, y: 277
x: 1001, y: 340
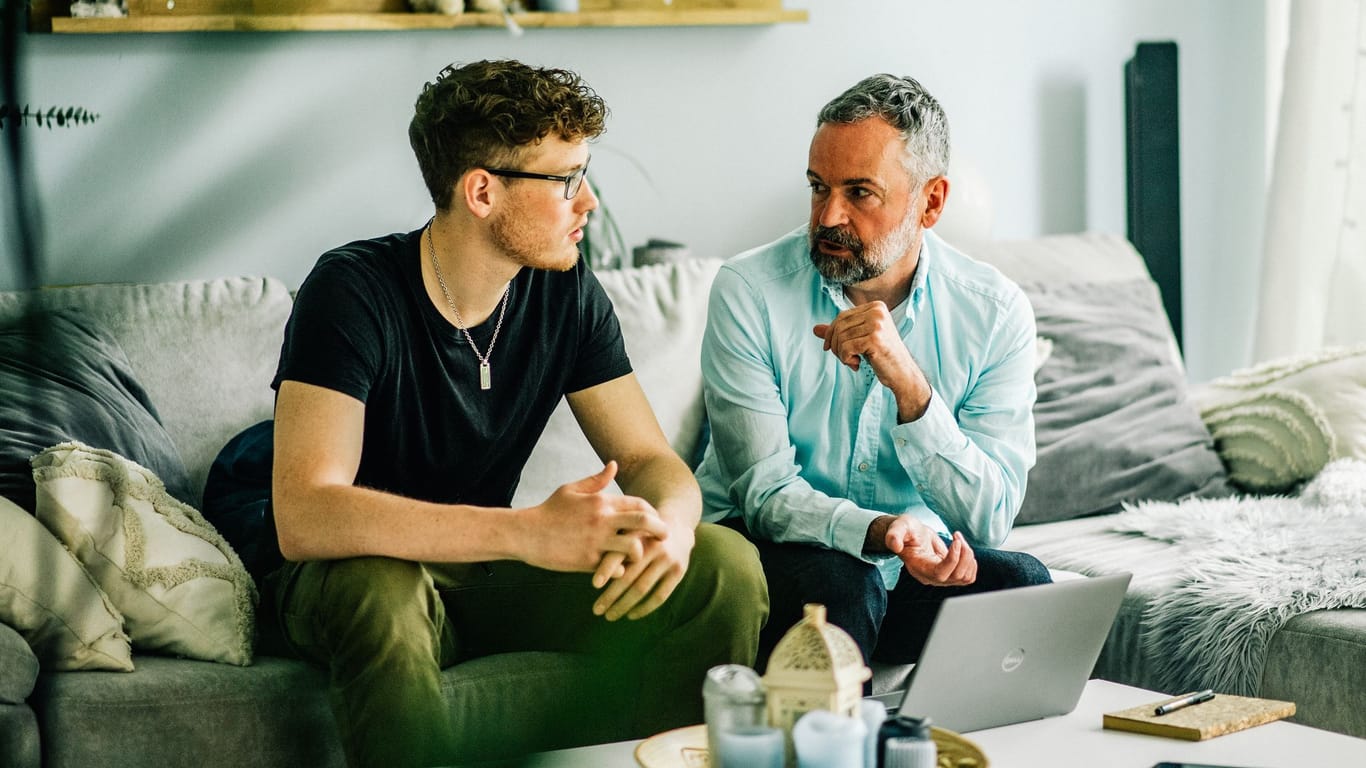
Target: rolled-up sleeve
x: 970, y: 464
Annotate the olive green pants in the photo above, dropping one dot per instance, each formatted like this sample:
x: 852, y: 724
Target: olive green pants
x: 384, y: 629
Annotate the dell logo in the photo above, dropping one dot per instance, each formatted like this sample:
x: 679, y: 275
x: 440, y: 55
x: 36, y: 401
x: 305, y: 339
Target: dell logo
x: 1013, y: 660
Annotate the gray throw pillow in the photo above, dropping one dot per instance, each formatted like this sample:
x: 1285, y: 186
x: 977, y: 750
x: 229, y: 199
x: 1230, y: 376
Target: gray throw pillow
x: 65, y: 379
x: 1113, y: 420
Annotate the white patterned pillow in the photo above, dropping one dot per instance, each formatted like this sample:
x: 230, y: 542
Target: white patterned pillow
x: 49, y: 599
x: 181, y: 588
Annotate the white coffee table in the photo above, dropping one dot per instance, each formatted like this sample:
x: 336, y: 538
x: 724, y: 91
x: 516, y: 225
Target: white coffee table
x: 1077, y: 741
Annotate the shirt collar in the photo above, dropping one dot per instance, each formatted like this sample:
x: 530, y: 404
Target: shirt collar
x: 908, y: 308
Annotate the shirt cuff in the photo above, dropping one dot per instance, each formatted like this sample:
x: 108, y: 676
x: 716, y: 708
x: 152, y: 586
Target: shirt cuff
x: 934, y: 433
x: 851, y: 531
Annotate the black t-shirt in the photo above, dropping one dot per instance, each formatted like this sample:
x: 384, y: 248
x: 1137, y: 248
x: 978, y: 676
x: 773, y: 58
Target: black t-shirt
x: 362, y: 325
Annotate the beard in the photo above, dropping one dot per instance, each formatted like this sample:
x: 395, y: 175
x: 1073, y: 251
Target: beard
x: 863, y: 262
x: 520, y: 240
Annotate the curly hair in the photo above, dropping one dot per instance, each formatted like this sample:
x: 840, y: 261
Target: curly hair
x: 907, y: 106
x: 486, y: 113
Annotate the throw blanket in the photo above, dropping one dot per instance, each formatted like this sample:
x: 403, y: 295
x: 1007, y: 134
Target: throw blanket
x: 1254, y: 563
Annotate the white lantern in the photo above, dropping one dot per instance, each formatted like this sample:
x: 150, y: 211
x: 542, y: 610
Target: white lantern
x: 816, y: 665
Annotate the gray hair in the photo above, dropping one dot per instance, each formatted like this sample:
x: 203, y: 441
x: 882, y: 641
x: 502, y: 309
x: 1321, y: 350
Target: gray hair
x: 907, y: 106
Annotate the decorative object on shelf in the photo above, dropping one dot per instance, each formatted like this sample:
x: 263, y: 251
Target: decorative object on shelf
x: 816, y: 665
x: 98, y: 9
x: 657, y: 251
x: 60, y: 117
x: 305, y: 7
x: 448, y: 7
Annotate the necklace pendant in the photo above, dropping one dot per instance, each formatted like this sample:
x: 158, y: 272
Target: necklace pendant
x: 485, y: 376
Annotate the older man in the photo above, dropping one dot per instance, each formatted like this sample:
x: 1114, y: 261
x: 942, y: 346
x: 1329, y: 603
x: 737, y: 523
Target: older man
x: 870, y: 389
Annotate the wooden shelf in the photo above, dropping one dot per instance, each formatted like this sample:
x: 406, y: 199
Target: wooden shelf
x: 350, y: 22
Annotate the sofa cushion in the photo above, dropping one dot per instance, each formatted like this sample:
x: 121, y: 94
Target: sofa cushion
x: 1113, y: 420
x: 19, y: 739
x: 205, y: 350
x: 276, y: 711
x: 63, y: 616
x: 180, y: 587
x: 1279, y: 423
x: 66, y: 378
x: 18, y: 666
x: 1318, y: 661
x: 237, y: 498
x: 663, y: 312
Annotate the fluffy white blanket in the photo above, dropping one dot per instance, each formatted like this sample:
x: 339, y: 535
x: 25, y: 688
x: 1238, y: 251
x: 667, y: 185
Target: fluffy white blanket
x: 1253, y: 564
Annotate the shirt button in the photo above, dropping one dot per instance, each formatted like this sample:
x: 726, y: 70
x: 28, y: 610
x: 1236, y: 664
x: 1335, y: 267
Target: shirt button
x: 863, y: 466
x: 901, y: 442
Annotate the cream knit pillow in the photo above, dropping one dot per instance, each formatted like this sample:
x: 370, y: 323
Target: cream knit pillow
x: 181, y: 588
x: 1279, y: 423
x: 49, y: 598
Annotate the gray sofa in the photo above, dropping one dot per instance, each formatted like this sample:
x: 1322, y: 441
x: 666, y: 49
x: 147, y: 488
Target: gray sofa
x: 206, y: 350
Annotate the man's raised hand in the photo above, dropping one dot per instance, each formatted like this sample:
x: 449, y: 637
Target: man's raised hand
x: 927, y: 558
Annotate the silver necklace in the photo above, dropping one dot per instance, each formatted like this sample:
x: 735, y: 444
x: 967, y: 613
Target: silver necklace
x: 485, y: 370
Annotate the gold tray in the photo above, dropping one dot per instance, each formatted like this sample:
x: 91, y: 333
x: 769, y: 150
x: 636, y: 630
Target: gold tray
x: 687, y: 748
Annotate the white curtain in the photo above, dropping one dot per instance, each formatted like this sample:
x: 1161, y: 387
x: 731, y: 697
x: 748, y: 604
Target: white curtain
x: 1313, y: 290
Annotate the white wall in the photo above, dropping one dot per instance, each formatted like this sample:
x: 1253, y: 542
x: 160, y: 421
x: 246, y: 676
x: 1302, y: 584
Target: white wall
x: 221, y: 154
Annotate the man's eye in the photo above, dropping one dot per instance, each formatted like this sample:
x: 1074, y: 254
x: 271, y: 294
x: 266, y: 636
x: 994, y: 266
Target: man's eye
x: 817, y: 188
x: 858, y: 193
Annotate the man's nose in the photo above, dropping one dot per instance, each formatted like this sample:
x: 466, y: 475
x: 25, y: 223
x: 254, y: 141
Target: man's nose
x: 831, y: 212
x: 587, y: 199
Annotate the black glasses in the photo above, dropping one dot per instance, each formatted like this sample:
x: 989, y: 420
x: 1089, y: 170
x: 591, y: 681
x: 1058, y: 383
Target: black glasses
x: 572, y: 182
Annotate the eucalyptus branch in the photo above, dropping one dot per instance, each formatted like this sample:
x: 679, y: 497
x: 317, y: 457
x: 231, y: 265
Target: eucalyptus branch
x: 50, y: 117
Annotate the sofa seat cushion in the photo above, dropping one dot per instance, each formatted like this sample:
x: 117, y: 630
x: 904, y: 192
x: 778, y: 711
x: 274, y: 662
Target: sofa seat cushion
x: 1317, y: 660
x: 18, y: 667
x: 20, y: 744
x: 276, y: 712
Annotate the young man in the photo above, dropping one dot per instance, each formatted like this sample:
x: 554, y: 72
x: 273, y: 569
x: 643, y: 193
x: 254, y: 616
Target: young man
x: 870, y: 389
x: 417, y: 373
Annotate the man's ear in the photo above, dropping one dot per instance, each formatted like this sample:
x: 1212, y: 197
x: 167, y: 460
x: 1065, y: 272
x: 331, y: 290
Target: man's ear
x: 936, y: 193
x: 479, y: 191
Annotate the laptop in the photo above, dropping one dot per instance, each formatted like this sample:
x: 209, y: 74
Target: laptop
x: 1012, y: 655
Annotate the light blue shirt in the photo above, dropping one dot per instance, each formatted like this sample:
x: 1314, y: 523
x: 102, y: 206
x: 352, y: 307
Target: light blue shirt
x: 808, y: 450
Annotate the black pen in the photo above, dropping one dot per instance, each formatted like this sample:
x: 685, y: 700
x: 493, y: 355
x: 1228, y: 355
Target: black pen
x: 1184, y: 701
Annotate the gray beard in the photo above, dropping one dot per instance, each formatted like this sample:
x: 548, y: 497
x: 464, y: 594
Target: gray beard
x: 862, y: 263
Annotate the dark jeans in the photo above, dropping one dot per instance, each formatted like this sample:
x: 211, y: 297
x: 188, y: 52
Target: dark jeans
x: 889, y: 626
x: 385, y: 628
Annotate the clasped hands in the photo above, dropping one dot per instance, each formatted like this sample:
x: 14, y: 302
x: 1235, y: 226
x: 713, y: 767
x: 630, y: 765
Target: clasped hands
x: 636, y: 557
